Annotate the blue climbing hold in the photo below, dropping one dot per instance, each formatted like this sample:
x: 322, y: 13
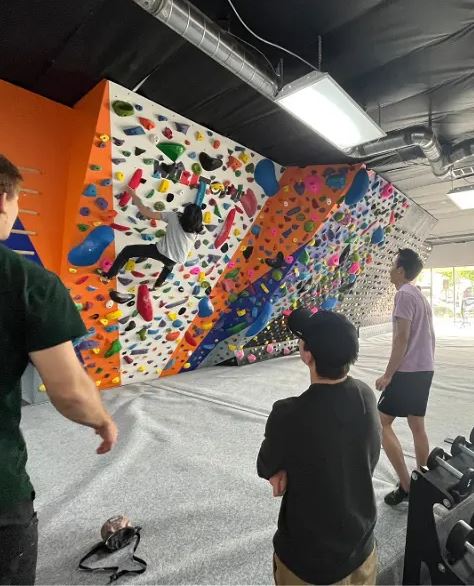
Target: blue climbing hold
x: 90, y: 190
x: 265, y: 177
x: 201, y: 192
x: 134, y: 131
x: 101, y: 203
x: 106, y: 182
x: 262, y: 320
x: 358, y: 189
x: 329, y: 304
x: 84, y: 212
x: 205, y: 307
x: 91, y: 248
x: 378, y: 236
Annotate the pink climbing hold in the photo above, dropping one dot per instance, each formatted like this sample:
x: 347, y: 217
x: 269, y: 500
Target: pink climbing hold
x: 354, y: 268
x: 195, y: 271
x: 239, y: 354
x: 144, y: 304
x: 270, y: 348
x: 314, y: 310
x: 106, y: 265
x: 251, y: 358
x: 226, y: 228
x: 286, y: 351
x: 333, y: 260
x: 386, y: 191
x: 313, y: 183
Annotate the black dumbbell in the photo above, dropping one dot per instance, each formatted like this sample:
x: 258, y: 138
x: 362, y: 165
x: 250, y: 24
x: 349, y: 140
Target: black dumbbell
x: 460, y: 540
x: 465, y: 485
x: 461, y: 445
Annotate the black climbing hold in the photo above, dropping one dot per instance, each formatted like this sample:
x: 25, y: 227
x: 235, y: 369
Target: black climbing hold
x: 169, y: 197
x: 131, y: 326
x: 121, y: 297
x: 209, y: 163
x: 139, y: 151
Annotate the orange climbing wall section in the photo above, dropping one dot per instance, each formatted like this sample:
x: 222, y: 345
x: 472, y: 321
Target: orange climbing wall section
x: 36, y: 136
x: 91, y: 164
x: 289, y: 211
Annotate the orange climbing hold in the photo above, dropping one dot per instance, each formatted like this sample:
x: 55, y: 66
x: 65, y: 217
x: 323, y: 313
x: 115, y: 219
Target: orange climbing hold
x: 146, y: 123
x: 172, y: 336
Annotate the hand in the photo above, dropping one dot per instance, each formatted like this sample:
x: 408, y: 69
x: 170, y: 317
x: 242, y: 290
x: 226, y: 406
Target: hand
x: 279, y: 482
x: 382, y: 383
x: 135, y: 199
x: 108, y: 432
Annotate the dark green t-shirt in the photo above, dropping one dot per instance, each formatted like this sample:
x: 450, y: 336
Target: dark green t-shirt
x: 36, y: 312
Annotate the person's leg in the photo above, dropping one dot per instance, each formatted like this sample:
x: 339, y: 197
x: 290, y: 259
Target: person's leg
x: 165, y: 271
x: 131, y: 251
x: 18, y: 545
x: 420, y: 439
x: 393, y: 449
x: 365, y: 574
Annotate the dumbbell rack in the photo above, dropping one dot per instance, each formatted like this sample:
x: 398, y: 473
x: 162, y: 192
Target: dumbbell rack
x: 425, y: 542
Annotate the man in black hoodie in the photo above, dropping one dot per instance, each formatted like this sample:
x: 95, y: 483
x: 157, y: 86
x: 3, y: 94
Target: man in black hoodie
x: 319, y: 453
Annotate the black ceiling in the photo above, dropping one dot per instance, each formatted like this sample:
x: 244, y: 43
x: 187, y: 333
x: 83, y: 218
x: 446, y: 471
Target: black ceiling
x: 406, y: 61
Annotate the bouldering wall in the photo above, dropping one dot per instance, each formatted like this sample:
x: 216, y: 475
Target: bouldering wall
x: 273, y: 238
x: 36, y: 136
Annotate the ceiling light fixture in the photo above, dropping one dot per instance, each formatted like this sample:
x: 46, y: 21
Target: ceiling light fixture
x: 463, y: 197
x: 320, y: 102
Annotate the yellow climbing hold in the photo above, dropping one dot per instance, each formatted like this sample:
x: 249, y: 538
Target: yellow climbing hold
x: 207, y: 219
x: 119, y: 176
x: 207, y: 325
x: 264, y: 288
x: 141, y: 368
x: 202, y: 276
x: 116, y: 380
x: 114, y: 314
x: 42, y: 389
x: 98, y: 383
x: 97, y: 223
x: 164, y: 185
x: 71, y: 270
x: 199, y: 135
x: 187, y: 365
x: 96, y: 350
x: 130, y: 265
x: 237, y: 232
x: 241, y: 312
x: 104, y: 322
x: 232, y: 347
x: 173, y: 316
x: 104, y: 137
x: 244, y: 157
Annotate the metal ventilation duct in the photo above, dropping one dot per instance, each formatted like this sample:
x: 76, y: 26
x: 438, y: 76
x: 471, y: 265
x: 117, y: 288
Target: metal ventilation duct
x: 442, y: 161
x: 189, y: 22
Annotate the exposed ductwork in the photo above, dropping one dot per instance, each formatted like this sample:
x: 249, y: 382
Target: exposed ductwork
x: 442, y: 161
x: 194, y: 26
x: 189, y: 22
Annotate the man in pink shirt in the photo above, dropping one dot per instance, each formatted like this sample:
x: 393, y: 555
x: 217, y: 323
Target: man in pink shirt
x: 407, y: 379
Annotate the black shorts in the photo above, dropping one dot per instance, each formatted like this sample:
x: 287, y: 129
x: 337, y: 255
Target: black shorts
x: 407, y: 394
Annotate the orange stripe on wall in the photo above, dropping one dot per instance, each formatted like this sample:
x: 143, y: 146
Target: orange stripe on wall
x: 272, y: 223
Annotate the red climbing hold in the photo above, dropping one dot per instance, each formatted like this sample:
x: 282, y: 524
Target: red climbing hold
x: 190, y: 339
x: 144, y: 305
x: 172, y: 336
x: 147, y: 123
x: 119, y: 227
x: 124, y: 199
x: 226, y: 228
x: 249, y: 203
x: 136, y: 178
x: 137, y: 274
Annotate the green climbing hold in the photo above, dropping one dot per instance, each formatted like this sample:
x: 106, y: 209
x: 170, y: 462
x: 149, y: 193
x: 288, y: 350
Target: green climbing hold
x: 150, y: 193
x: 238, y: 173
x: 233, y: 274
x: 205, y: 285
x: 233, y: 297
x: 122, y: 108
x: 277, y: 275
x: 160, y: 233
x: 237, y: 328
x: 196, y: 168
x: 217, y: 212
x: 159, y: 206
x: 95, y: 167
x: 172, y: 150
x: 304, y: 257
x: 148, y: 161
x: 338, y: 216
x: 83, y: 227
x: 355, y: 257
x: 309, y: 226
x: 114, y: 348
x: 250, y: 168
x: 126, y: 153
x: 142, y: 334
x: 300, y: 217
x: 79, y: 306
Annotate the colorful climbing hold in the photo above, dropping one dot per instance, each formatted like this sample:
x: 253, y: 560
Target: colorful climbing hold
x: 144, y: 303
x: 114, y: 348
x: 209, y: 163
x: 172, y: 150
x: 265, y: 177
x: 91, y: 248
x: 122, y: 108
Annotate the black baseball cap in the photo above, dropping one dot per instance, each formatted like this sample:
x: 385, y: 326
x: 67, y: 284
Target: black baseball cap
x: 330, y: 336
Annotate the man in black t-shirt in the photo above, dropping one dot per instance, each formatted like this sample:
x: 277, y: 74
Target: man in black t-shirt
x: 38, y: 320
x: 319, y: 452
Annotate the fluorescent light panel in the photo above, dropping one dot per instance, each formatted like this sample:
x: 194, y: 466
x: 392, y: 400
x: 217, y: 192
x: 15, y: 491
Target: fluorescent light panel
x: 463, y: 197
x: 318, y: 101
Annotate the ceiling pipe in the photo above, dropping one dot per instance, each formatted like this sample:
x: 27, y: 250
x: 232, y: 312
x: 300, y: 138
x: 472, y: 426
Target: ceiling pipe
x: 442, y: 161
x: 193, y: 25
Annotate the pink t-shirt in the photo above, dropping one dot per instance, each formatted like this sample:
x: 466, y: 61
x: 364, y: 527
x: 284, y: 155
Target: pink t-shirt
x: 411, y: 304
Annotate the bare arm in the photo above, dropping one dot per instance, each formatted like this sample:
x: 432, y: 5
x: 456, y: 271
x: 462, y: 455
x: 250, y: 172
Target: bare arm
x: 72, y: 392
x: 401, y: 336
x: 143, y: 209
